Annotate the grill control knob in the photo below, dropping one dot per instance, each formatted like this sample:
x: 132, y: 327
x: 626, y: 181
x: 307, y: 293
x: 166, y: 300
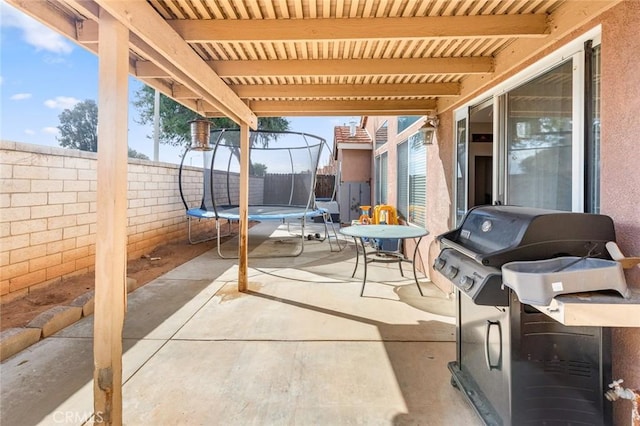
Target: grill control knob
x: 451, y: 272
x: 466, y: 283
x: 439, y: 263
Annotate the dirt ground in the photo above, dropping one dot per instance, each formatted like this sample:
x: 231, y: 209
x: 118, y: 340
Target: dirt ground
x: 18, y: 313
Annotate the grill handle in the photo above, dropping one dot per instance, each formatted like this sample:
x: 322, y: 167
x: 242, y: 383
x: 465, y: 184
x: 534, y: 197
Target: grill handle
x: 450, y: 244
x: 487, y: 355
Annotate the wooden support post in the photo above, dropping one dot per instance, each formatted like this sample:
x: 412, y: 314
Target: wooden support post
x: 111, y: 210
x: 243, y: 242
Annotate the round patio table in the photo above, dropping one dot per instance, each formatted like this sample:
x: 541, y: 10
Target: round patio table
x: 365, y: 232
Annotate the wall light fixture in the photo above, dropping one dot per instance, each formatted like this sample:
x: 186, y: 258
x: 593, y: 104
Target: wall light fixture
x: 428, y: 130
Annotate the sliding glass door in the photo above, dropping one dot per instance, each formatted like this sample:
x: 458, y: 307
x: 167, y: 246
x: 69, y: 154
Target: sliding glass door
x: 546, y: 137
x: 461, y: 166
x: 539, y: 140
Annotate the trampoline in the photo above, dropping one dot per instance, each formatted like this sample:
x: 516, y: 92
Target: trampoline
x: 282, y: 176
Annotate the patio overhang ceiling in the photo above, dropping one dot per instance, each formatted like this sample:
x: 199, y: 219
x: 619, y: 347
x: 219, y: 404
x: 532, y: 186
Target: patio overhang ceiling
x: 249, y: 58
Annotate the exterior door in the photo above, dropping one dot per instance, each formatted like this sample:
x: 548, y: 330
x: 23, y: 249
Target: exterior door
x: 461, y: 166
x: 352, y: 195
x: 540, y: 140
x: 543, y: 141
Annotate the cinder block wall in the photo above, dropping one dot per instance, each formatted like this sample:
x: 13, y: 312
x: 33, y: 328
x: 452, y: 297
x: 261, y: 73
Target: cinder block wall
x: 48, y: 213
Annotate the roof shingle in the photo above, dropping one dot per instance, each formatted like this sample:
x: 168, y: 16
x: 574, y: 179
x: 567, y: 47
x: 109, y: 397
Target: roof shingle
x: 342, y: 134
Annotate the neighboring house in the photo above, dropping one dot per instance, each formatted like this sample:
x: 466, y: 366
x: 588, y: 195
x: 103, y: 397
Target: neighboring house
x: 352, y: 151
x: 560, y: 133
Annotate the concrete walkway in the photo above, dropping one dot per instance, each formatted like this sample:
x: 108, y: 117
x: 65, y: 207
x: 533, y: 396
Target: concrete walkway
x: 300, y: 348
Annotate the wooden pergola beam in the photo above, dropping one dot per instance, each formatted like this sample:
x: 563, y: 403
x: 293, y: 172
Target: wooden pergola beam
x: 111, y: 220
x: 49, y: 15
x: 268, y: 30
x: 335, y: 67
x: 205, y: 98
x: 194, y: 103
x: 243, y: 209
x: 353, y: 67
x: 332, y: 90
x: 53, y: 17
x: 564, y: 20
x: 337, y: 107
x: 141, y: 19
x: 87, y: 34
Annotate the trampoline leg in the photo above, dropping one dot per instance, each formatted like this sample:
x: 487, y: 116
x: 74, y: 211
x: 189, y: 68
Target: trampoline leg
x: 191, y: 241
x: 302, y: 234
x: 328, y: 220
x: 218, y: 238
x: 326, y: 230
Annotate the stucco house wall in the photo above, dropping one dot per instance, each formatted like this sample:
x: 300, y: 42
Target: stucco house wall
x: 356, y: 165
x: 620, y: 167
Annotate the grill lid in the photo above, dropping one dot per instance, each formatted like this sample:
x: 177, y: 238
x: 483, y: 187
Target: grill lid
x: 494, y: 235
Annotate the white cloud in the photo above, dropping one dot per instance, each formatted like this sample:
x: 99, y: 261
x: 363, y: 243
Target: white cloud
x: 53, y: 59
x: 61, y: 102
x: 50, y: 130
x: 1, y: 79
x: 20, y: 96
x: 33, y: 32
x: 29, y: 132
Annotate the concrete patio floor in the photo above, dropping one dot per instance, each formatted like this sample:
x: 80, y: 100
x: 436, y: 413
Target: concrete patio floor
x: 300, y: 348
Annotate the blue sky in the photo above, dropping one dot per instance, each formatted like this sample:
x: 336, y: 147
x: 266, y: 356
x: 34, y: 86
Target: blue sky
x: 42, y: 73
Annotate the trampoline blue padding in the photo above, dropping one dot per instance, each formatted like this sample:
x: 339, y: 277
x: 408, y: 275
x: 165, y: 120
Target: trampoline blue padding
x: 270, y: 212
x: 201, y: 214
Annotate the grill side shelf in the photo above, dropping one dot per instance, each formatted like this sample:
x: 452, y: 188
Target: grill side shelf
x: 598, y: 309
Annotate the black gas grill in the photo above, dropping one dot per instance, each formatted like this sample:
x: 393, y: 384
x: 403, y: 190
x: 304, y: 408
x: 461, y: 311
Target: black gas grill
x: 515, y: 364
x: 491, y: 236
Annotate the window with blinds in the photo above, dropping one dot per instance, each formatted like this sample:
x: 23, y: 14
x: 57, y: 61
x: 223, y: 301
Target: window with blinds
x: 412, y: 180
x: 403, y: 180
x: 405, y: 121
x: 417, y: 180
x: 381, y: 135
x: 381, y: 178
